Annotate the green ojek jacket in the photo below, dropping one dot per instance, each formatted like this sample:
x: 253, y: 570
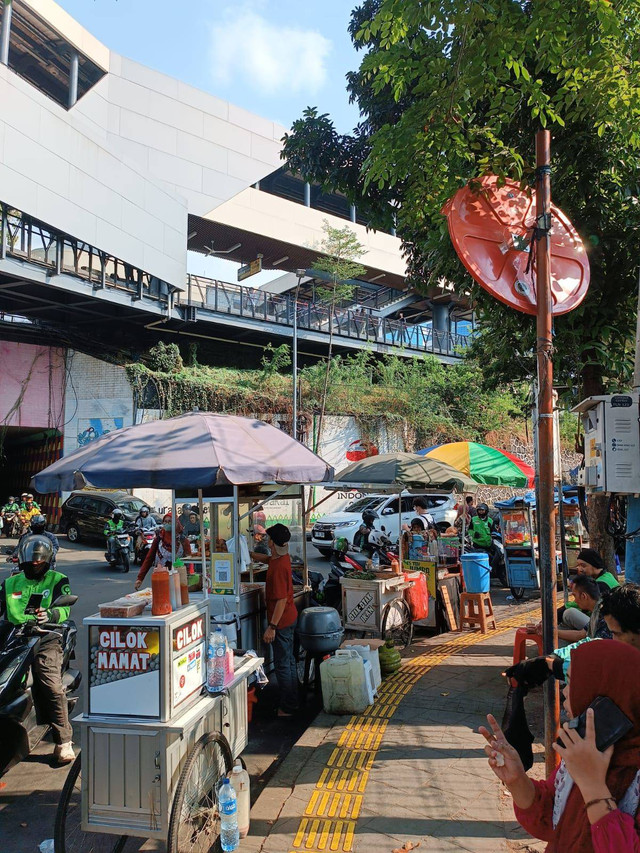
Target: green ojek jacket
x: 16, y: 591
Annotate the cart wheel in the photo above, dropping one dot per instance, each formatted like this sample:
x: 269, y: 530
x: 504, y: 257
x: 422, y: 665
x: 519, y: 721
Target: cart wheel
x: 517, y: 592
x: 68, y: 837
x: 396, y: 623
x: 194, y: 826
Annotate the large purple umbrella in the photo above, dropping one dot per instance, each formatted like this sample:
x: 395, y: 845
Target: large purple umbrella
x: 196, y: 450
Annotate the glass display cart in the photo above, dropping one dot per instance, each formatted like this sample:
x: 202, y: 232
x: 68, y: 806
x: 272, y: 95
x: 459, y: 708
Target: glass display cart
x: 517, y: 527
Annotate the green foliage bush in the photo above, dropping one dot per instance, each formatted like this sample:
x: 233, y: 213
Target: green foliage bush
x: 434, y: 402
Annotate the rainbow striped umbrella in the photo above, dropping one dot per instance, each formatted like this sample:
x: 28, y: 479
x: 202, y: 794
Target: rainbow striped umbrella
x: 486, y: 465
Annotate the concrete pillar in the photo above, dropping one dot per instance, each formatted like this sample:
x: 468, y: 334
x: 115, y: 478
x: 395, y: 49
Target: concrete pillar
x: 5, y: 32
x: 73, y: 79
x: 441, y: 321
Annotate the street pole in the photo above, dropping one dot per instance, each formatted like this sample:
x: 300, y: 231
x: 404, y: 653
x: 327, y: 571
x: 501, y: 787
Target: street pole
x: 632, y: 550
x: 294, y: 411
x: 544, y: 350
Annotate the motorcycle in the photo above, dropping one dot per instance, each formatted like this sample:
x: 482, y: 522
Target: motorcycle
x: 20, y: 731
x: 11, y: 524
x: 144, y: 541
x: 122, y: 547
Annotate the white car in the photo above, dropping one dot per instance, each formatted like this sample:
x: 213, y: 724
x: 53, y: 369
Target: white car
x: 347, y: 522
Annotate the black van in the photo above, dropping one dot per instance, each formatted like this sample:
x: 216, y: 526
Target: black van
x: 84, y: 513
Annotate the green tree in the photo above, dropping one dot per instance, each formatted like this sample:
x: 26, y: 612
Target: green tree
x: 340, y: 254
x: 452, y: 89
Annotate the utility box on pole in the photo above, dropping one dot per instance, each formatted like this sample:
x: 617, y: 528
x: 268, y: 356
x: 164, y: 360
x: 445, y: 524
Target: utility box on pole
x: 611, y: 444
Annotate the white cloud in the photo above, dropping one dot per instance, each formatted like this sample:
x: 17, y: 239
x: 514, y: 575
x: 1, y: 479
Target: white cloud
x: 271, y: 59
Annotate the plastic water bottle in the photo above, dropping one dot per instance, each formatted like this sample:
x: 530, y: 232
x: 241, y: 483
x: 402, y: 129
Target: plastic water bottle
x: 241, y: 784
x: 228, y: 808
x: 375, y: 561
x: 216, y: 661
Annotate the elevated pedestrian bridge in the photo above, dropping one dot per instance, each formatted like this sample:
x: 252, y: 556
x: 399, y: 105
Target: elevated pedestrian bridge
x: 89, y: 295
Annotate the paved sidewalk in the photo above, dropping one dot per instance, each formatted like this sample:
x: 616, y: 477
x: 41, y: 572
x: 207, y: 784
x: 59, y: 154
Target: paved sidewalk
x: 411, y: 769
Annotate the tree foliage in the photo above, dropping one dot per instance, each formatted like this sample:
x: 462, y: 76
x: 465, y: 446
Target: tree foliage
x: 339, y: 259
x: 452, y: 89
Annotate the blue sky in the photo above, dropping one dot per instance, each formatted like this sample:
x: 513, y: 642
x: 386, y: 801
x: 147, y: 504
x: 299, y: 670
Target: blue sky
x: 272, y: 57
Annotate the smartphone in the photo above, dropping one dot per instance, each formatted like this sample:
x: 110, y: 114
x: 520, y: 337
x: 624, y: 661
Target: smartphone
x: 34, y: 603
x: 610, y: 722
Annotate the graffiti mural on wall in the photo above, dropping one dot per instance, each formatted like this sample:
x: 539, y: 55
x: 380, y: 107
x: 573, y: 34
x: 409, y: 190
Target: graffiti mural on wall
x: 89, y: 429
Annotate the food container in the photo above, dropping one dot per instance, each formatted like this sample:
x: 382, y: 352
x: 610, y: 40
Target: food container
x: 121, y: 608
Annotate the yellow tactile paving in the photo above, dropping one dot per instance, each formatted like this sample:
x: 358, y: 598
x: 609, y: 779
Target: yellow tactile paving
x: 330, y: 817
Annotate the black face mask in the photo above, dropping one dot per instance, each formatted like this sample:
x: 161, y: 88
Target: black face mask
x: 34, y: 571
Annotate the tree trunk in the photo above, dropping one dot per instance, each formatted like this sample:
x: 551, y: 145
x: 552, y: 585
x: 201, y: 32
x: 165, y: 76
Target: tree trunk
x: 597, y: 505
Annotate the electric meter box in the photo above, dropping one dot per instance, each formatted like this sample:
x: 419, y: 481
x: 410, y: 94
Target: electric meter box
x: 611, y: 444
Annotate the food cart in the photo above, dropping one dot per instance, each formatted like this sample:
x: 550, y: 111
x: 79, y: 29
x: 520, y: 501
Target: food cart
x: 573, y: 532
x: 154, y: 746
x: 377, y: 607
x: 517, y: 528
x: 229, y: 530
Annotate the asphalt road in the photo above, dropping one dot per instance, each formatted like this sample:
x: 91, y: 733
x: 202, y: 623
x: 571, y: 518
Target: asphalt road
x: 29, y: 799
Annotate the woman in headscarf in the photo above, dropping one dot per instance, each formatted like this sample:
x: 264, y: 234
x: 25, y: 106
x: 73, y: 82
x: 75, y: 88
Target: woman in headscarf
x: 159, y: 554
x: 590, y: 803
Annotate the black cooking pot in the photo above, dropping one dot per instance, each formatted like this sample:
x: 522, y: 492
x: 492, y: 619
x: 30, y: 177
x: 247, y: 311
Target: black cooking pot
x: 320, y: 630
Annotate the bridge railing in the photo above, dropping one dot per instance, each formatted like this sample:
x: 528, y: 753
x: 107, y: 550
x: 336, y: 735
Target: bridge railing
x: 24, y: 238
x: 256, y: 304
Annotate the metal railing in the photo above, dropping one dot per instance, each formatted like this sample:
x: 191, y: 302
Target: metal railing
x: 255, y: 304
x: 26, y: 239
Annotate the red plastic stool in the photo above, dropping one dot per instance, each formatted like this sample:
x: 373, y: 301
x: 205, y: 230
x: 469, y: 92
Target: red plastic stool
x: 520, y: 644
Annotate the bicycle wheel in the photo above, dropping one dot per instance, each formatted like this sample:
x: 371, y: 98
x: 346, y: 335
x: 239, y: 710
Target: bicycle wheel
x: 397, y: 624
x: 517, y: 592
x: 68, y: 837
x: 194, y: 825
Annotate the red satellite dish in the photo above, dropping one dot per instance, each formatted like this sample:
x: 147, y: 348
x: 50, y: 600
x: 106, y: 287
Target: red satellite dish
x: 491, y: 230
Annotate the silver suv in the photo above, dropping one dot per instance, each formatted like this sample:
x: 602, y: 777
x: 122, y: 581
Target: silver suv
x: 347, y: 521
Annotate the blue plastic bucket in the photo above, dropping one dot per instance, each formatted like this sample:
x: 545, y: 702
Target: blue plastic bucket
x: 476, y: 571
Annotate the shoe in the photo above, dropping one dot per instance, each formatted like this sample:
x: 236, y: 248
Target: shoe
x: 63, y: 753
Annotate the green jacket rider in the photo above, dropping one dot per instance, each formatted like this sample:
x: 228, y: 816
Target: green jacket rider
x: 481, y: 527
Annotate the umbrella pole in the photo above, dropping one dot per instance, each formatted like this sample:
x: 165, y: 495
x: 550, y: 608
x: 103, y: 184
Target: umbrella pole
x: 400, y: 531
x: 203, y: 550
x: 305, y: 565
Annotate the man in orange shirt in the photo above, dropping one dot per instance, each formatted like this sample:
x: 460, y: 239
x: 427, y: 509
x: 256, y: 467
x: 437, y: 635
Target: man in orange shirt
x: 281, y: 616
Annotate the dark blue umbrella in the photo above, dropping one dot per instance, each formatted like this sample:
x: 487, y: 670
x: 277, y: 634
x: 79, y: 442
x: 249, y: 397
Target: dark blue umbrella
x: 196, y: 450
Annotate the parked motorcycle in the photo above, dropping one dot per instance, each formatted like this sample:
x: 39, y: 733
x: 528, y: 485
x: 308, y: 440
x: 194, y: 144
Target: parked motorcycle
x: 123, y: 546
x: 143, y: 541
x: 20, y: 731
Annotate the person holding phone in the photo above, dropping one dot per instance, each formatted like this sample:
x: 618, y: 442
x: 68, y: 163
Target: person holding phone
x: 27, y: 598
x: 590, y: 803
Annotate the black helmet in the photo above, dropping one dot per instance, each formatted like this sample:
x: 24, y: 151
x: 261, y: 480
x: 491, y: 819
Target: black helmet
x: 116, y: 513
x: 34, y: 556
x: 369, y: 516
x: 38, y: 524
x: 482, y: 510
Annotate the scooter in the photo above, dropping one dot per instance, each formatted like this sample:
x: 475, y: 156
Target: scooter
x: 144, y: 541
x: 20, y: 731
x: 11, y: 524
x: 121, y: 556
